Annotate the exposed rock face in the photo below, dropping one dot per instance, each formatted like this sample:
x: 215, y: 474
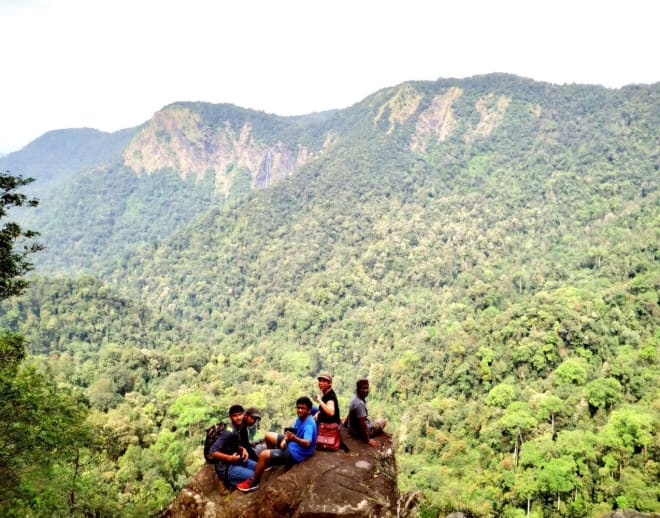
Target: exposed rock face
x: 437, y: 120
x: 359, y: 483
x: 492, y: 112
x: 177, y: 138
x: 180, y: 139
x: 279, y: 161
x: 401, y: 106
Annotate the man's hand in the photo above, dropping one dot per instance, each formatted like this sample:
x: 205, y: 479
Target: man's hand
x: 373, y: 444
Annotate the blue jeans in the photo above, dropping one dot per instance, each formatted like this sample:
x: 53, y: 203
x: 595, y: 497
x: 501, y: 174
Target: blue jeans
x: 240, y: 471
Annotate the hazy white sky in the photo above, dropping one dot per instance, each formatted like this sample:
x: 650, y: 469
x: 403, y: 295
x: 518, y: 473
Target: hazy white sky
x: 110, y: 64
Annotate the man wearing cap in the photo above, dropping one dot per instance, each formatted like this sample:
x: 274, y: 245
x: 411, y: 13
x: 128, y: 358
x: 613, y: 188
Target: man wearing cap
x: 358, y: 421
x: 233, y: 464
x: 250, y: 419
x: 327, y: 400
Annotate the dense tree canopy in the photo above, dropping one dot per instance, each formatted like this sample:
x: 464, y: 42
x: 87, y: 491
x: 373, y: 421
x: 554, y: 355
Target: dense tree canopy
x: 498, y: 284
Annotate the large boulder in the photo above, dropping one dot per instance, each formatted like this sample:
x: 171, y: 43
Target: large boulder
x: 359, y: 483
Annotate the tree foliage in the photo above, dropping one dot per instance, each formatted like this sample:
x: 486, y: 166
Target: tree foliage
x: 498, y: 287
x: 14, y: 263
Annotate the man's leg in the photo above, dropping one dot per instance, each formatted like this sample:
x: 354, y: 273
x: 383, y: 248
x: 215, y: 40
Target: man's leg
x: 271, y: 440
x: 376, y: 427
x: 252, y: 483
x: 274, y: 456
x: 240, y: 472
x: 262, y: 464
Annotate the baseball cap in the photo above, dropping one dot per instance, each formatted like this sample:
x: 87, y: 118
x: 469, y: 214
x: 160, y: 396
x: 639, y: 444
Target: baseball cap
x: 253, y: 412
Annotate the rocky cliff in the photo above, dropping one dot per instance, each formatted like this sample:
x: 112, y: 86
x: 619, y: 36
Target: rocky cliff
x: 180, y: 139
x: 359, y: 483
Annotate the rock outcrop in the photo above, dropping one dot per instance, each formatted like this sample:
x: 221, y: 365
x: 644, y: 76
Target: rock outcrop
x: 358, y: 483
x: 400, y: 107
x: 437, y: 120
x: 177, y: 138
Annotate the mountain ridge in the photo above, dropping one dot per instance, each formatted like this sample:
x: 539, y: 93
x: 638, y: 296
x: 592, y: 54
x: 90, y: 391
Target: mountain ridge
x: 59, y: 152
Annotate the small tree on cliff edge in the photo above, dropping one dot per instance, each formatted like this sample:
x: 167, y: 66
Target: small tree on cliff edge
x: 13, y: 262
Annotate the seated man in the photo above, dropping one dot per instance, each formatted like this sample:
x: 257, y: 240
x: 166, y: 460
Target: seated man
x: 295, y: 445
x: 358, y: 421
x: 233, y: 464
x: 251, y: 419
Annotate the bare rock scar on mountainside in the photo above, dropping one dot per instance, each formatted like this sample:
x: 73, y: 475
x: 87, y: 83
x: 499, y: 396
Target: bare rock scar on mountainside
x: 177, y: 138
x: 437, y: 120
x: 400, y: 107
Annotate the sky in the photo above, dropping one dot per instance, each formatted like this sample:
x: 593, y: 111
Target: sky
x: 111, y: 64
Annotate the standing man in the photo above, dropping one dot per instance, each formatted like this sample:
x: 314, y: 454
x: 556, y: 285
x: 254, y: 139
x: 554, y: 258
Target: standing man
x: 295, y: 445
x: 358, y: 421
x: 233, y: 464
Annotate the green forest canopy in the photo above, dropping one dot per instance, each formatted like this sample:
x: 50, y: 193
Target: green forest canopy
x: 500, y: 293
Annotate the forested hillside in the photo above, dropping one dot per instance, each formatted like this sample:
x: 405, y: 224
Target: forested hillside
x: 484, y: 250
x: 57, y: 154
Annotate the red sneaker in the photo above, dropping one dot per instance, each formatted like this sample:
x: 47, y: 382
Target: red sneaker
x: 247, y: 485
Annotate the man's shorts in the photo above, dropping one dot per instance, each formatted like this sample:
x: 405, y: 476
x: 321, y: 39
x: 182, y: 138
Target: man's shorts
x: 279, y: 456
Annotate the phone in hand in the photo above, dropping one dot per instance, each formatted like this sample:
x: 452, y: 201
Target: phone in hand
x: 290, y: 429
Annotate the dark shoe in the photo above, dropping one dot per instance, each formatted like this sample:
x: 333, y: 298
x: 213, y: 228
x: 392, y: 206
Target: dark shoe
x: 247, y: 485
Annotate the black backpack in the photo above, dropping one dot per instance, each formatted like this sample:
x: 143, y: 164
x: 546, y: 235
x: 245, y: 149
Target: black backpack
x: 212, y: 434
